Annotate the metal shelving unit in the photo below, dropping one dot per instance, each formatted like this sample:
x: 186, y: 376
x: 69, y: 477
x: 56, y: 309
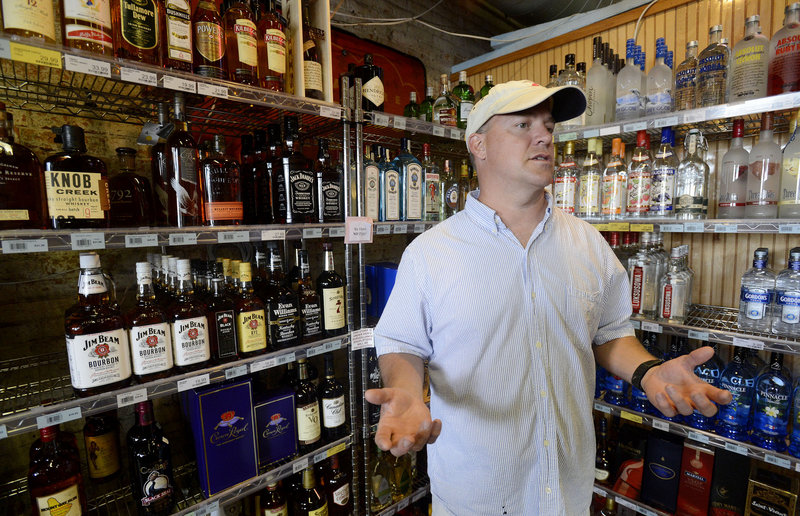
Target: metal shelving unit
x: 382, y: 122
x: 760, y: 226
x: 630, y: 503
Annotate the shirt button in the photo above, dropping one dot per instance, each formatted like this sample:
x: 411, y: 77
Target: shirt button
x: 548, y: 490
x: 543, y: 393
x: 533, y: 295
x: 546, y: 442
x: 538, y: 344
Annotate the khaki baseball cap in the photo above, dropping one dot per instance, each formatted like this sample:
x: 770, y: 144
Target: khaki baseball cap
x: 513, y: 96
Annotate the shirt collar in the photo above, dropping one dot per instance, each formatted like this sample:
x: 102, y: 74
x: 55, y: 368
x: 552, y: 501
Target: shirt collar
x: 488, y: 218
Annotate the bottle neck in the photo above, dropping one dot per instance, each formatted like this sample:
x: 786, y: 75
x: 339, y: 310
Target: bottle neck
x: 144, y: 415
x: 302, y: 371
x: 145, y: 294
x: 776, y: 362
x: 309, y: 482
x: 184, y: 285
x: 792, y: 17
x: 329, y: 266
x: 329, y: 370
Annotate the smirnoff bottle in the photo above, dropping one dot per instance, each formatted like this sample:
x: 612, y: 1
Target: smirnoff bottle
x: 189, y: 325
x: 712, y: 70
x: 764, y: 178
x: 709, y: 372
x: 588, y: 198
x: 615, y: 183
x: 685, y: 79
x: 691, y: 184
x: 662, y: 188
x: 675, y: 290
x: 733, y: 177
x: 149, y: 331
x: 749, y: 61
x: 772, y: 398
x: 784, y: 54
x: 786, y: 319
x: 643, y: 272
x: 640, y: 173
x: 738, y: 378
x: 758, y: 288
x: 565, y: 180
x: 789, y: 204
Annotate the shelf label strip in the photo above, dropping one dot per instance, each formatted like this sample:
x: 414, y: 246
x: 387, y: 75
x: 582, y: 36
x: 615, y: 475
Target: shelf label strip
x: 129, y: 398
x: 273, y: 234
x: 438, y: 130
x: 630, y: 416
x: 34, y: 55
x: 399, y: 123
x: 789, y: 229
x: 608, y: 131
x: 694, y: 227
x: 419, y: 495
x: 651, y: 327
x: 382, y: 229
x: 194, y: 382
x: 178, y: 84
x: 697, y: 436
x: 285, y: 359
x: 183, y: 239
x: 591, y: 133
x: 748, y: 343
x: 88, y: 66
x: 602, y: 408
x: 400, y: 228
x: 212, y: 90
x: 299, y: 465
x: 330, y: 112
x: 635, y: 126
x: 665, y: 122
x: 25, y: 246
x: 402, y: 504
x: 336, y: 449
x: 726, y: 228
x: 735, y: 448
x: 230, y: 237
x: 150, y: 240
x: 57, y: 418
x: 312, y: 232
x: 3, y: 432
x: 262, y: 364
x: 336, y: 232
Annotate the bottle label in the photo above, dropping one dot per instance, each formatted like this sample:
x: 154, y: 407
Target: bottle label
x: 179, y: 30
x: 464, y: 109
x: 373, y: 91
x: 712, y: 75
x: 333, y: 304
x: 92, y: 283
x: 187, y: 162
x: 392, y: 195
x: 615, y: 384
x: 749, y: 72
x: 245, y: 31
x: 151, y: 348
x: 659, y: 103
x: 564, y: 193
x: 331, y: 200
x: 312, y: 75
x: 662, y: 189
x: 31, y: 15
x: 772, y: 411
x: 333, y: 412
x: 308, y: 428
x: 628, y: 106
x: 756, y: 302
x: 601, y: 475
x: 102, y: 453
x: 311, y: 319
x: 76, y: 195
x: 283, y: 327
x: 322, y: 511
x: 341, y: 496
x: 451, y: 197
x: 789, y: 306
x: 98, y: 359
x: 783, y: 66
x: 790, y: 185
x: 380, y: 489
x: 689, y: 204
x: 589, y: 194
x: 666, y: 302
x: 139, y: 23
x: 190, y: 345
x: 155, y: 485
x: 613, y: 194
x: 225, y: 333
x: 66, y: 502
x: 252, y: 331
x: 413, y: 193
x: 210, y: 40
x: 433, y: 202
x: 737, y: 412
x: 275, y: 511
x: 301, y: 194
x: 763, y: 195
x: 372, y: 191
x: 275, y: 40
x: 18, y: 215
x: 639, y: 185
x: 445, y: 115
x: 218, y: 210
x: 96, y: 18
x: 637, y: 289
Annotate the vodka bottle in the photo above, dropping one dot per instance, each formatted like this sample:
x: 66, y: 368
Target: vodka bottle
x: 565, y: 180
x: 553, y: 82
x: 771, y: 417
x: 712, y: 70
x: 691, y: 183
x: 749, y: 61
x: 659, y: 84
x: 643, y: 275
x: 611, y: 87
x: 685, y: 79
x: 615, y: 390
x: 662, y: 189
x: 709, y: 372
x: 596, y: 86
x: 784, y: 54
x: 640, y: 173
x: 789, y: 203
x: 794, y: 439
x: 674, y: 288
x: 786, y: 320
x: 764, y: 174
x: 755, y: 301
x: 733, y: 177
x: 614, y: 186
x: 629, y: 85
x: 588, y: 198
x: 738, y: 378
x: 570, y: 77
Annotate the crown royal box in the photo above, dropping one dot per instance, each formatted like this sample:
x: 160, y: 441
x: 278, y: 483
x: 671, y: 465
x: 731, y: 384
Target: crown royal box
x: 275, y: 426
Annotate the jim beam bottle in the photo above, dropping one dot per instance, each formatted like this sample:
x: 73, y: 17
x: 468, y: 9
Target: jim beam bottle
x: 250, y: 317
x: 97, y: 344
x: 137, y: 24
x: 221, y: 315
x: 189, y: 324
x: 149, y: 331
x: 332, y: 295
x: 176, y: 38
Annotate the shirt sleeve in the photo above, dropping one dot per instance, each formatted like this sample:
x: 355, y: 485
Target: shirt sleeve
x: 616, y: 301
x: 404, y: 326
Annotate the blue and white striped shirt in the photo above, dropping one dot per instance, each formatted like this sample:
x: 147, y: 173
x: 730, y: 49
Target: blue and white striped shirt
x: 509, y: 331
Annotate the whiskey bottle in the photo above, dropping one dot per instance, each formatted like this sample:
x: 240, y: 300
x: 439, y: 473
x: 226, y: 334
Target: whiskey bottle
x: 372, y: 92
x: 183, y: 196
x: 298, y: 178
x: 176, y: 36
x: 136, y: 29
x: 380, y: 496
x: 97, y: 344
x: 101, y: 438
x: 283, y: 311
x: 271, y: 202
x: 411, y: 110
x: 329, y: 186
x: 189, y: 325
x: 337, y: 482
x: 272, y: 501
x: 271, y: 46
x: 149, y: 331
x: 250, y: 316
x: 221, y: 316
x: 29, y: 19
x: 54, y: 476
x: 131, y: 196
x: 312, y: 66
x: 400, y: 481
x: 249, y: 179
x: 220, y: 187
x: 159, y: 175
x: 76, y: 184
x: 309, y: 500
x: 209, y: 41
x: 241, y: 42
x: 311, y: 318
x: 22, y: 201
x: 308, y: 425
x: 331, y: 290
x: 87, y: 26
x: 150, y: 460
x: 331, y: 395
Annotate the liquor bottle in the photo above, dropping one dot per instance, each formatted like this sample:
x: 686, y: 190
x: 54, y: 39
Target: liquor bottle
x: 662, y: 186
x: 272, y: 501
x: 97, y: 345
x: 733, y: 177
x: 758, y: 287
x: 466, y: 99
x: 644, y: 279
x: 309, y: 305
x: 565, y: 180
x: 29, y: 19
x: 784, y: 56
x: 150, y: 460
x: 659, y: 83
x: 789, y: 204
x: 298, y: 178
x: 86, y: 207
x: 220, y: 187
x: 400, y: 481
x: 329, y: 186
x: 54, y: 477
x: 640, y: 175
x: 101, y: 438
x: 709, y: 372
x: 426, y: 106
x: 309, y: 499
x: 596, y: 86
x: 23, y: 204
x: 209, y: 41
x: 148, y: 331
x: 189, y: 325
x: 712, y: 71
x: 337, y: 481
x: 488, y: 84
x: 444, y: 109
x: 271, y: 46
x: 331, y: 290
x: 764, y: 177
x: 638, y: 398
x: 738, y: 378
x: 283, y: 310
x: 390, y: 188
x: 87, y: 26
x: 372, y: 178
x: 686, y: 78
x: 610, y: 507
x: 749, y: 62
x: 433, y: 208
x: 691, y: 182
x: 773, y: 394
x: 602, y: 458
x: 308, y: 417
x: 221, y: 317
x: 615, y: 390
x: 312, y: 66
x: 571, y: 77
x: 450, y: 189
x: 130, y: 193
x: 233, y: 286
x: 248, y: 176
x: 372, y: 90
x: 159, y: 174
x: 331, y: 396
x: 137, y: 29
x: 183, y: 195
x: 241, y: 42
x: 611, y: 85
x: 674, y: 290
x: 411, y: 181
x: 176, y: 36
x: 786, y: 318
x: 411, y: 110
x: 251, y: 321
x: 794, y: 439
x: 614, y: 186
x: 269, y: 170
x: 463, y: 184
x: 630, y: 104
x: 380, y: 495
x: 588, y: 197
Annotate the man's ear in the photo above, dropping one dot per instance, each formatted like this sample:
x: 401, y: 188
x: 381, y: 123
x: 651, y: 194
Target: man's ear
x: 475, y: 146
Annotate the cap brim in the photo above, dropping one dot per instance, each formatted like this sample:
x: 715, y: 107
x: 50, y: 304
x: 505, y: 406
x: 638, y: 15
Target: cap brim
x: 568, y: 102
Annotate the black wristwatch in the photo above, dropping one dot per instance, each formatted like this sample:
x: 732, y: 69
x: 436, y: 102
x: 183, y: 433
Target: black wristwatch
x: 636, y: 379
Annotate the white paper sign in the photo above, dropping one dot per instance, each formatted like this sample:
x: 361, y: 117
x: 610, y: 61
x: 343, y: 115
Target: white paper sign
x: 358, y: 230
x: 138, y: 76
x: 90, y: 66
x: 361, y: 339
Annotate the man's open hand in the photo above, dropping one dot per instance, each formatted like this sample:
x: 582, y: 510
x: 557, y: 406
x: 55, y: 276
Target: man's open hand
x: 405, y: 422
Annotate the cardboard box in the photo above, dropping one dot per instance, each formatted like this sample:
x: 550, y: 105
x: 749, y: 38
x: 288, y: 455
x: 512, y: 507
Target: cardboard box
x: 771, y: 492
x: 729, y: 485
x: 276, y: 431
x: 662, y: 467
x: 694, y: 492
x: 380, y: 281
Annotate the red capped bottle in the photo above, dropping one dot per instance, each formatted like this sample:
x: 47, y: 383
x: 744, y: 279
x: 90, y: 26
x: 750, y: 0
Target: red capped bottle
x: 150, y: 459
x: 55, y: 481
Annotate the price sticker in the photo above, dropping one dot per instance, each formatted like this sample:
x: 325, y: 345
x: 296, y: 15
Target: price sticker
x: 697, y: 436
x: 391, y: 511
x: 380, y: 119
x: 591, y: 133
x: 419, y: 228
x: 625, y: 503
x: 608, y: 131
x: 88, y: 66
x: 598, y: 490
x: 212, y: 509
x: 602, y: 408
x: 336, y: 232
x: 641, y: 228
x: 619, y: 226
x: 361, y: 339
x: 636, y: 324
x: 333, y: 346
x: 402, y: 504
x: 33, y: 55
x: 671, y: 228
x: 698, y: 335
x: 419, y: 495
x: 24, y: 246
x: 399, y: 123
x: 661, y: 425
x: 635, y: 126
x: 383, y: 229
x: 438, y: 130
x: 138, y: 76
x: 316, y: 350
x: 651, y: 327
x: 58, y: 418
x: 358, y: 230
x: 566, y: 137
x: 273, y: 234
x: 400, y: 229
x: 235, y: 372
x: 789, y: 229
x: 319, y: 457
x: 456, y: 134
x: 658, y: 123
x: 88, y: 241
x: 330, y: 112
x: 695, y: 115
x: 3, y: 432
x: 646, y: 512
x: 748, y: 343
x: 735, y: 448
x: 299, y: 465
x: 312, y: 232
x: 231, y: 237
x: 262, y: 365
x: 212, y: 90
x: 285, y: 359
x: 600, y: 227
x: 630, y: 416
x: 726, y: 228
x: 149, y: 240
x: 336, y: 449
x: 129, y: 398
x: 777, y: 461
x: 178, y: 84
x: 694, y: 227
x: 183, y: 239
x: 194, y: 382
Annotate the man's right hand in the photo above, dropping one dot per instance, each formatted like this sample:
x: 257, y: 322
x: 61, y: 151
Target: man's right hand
x: 405, y: 422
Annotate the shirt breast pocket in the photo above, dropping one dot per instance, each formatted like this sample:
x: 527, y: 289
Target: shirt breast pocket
x: 582, y: 312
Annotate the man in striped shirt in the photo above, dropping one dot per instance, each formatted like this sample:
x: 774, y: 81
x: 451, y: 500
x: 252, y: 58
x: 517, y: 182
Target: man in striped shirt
x: 513, y: 302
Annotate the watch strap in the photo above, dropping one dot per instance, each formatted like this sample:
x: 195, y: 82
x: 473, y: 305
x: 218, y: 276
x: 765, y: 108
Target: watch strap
x: 638, y: 374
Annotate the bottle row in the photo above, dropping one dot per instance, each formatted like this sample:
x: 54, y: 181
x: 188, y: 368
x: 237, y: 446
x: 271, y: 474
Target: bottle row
x: 391, y: 479
x: 184, y: 320
x: 761, y: 183
x: 452, y: 107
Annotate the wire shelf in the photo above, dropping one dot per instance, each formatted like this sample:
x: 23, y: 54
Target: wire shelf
x: 630, y: 503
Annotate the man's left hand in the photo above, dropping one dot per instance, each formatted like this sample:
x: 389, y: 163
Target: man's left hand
x: 673, y: 387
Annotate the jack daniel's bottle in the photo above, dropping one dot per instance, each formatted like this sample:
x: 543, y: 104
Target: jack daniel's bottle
x: 299, y: 178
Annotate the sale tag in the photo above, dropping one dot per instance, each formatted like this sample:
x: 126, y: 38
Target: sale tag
x: 194, y: 382
x: 361, y: 339
x: 312, y: 232
x: 400, y: 229
x: 330, y: 112
x: 24, y: 246
x: 89, y: 66
x: 698, y: 335
x: 661, y: 425
x: 235, y: 372
x: 273, y: 234
x: 178, y: 84
x: 651, y: 327
x: 138, y: 76
x: 399, y: 123
x: 212, y: 90
x: 336, y: 449
x: 696, y: 436
x: 231, y: 237
x: 438, y: 130
x: 183, y: 239
x: 58, y: 418
x: 88, y: 241
x: 299, y: 465
x: 600, y: 227
x: 129, y: 398
x: 150, y: 240
x: 358, y: 230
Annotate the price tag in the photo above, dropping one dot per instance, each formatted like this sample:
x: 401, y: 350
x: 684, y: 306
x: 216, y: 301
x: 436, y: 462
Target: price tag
x: 694, y: 115
x: 383, y: 229
x: 419, y: 495
x: 694, y: 227
x: 3, y: 432
x: 658, y: 123
x: 651, y: 327
x: 696, y: 436
x: 567, y: 137
x: 141, y: 240
x: 419, y: 228
x: 87, y: 241
x: 273, y: 234
x: 316, y: 350
x: 402, y: 504
x: 193, y: 383
x: 299, y: 465
x: 129, y: 398
x: 698, y: 335
x: 400, y: 228
x: 235, y: 372
x: 333, y: 346
x: 336, y: 449
x: 262, y: 365
x: 5, y: 49
x: 358, y: 230
x: 212, y: 90
x: 602, y: 408
x: 636, y: 418
x: 735, y: 448
x: 619, y: 226
x: 641, y: 228
x: 671, y: 228
x: 777, y: 461
x: 24, y: 246
x: 661, y: 425
x: 635, y: 126
x: 361, y: 339
x: 748, y: 343
x: 138, y: 76
x: 625, y: 503
x: 591, y: 133
x: 456, y: 134
x: 57, y: 418
x: 646, y: 512
x: 285, y: 359
x: 438, y: 130
x: 319, y: 457
x: 399, y: 123
x: 231, y: 237
x: 212, y: 509
x: 789, y: 229
x: 336, y: 232
x: 183, y: 239
x: 178, y: 84
x: 600, y: 227
x: 83, y: 65
x: 726, y: 228
x: 380, y: 119
x: 636, y: 324
x: 608, y: 131
x: 598, y: 491
x: 391, y: 511
x: 330, y: 112
x: 312, y: 232
x: 33, y: 55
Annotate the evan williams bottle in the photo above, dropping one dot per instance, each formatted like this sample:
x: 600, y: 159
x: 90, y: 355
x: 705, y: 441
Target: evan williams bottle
x: 241, y: 42
x: 250, y: 316
x: 282, y: 310
x: 189, y: 326
x: 97, y: 344
x: 55, y: 482
x: 311, y: 320
x: 149, y: 334
x: 209, y: 41
x: 271, y: 46
x: 86, y: 25
x: 137, y: 25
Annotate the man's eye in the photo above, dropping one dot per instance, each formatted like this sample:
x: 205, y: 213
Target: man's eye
x: 522, y: 125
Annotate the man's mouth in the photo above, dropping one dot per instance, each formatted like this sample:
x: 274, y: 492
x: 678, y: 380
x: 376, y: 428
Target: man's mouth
x: 542, y: 157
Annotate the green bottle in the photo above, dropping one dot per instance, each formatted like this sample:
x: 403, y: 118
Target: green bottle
x: 412, y: 108
x: 466, y: 99
x: 488, y: 85
x: 426, y: 108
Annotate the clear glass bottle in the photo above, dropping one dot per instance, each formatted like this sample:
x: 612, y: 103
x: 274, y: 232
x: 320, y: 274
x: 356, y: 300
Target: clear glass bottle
x: 789, y: 203
x: 411, y: 181
x: 630, y: 102
x: 659, y: 83
x: 691, y: 183
x: 390, y: 188
x: 189, y: 325
x: 786, y: 320
x: 466, y: 99
x: 675, y: 290
x: 709, y: 372
x: 643, y: 272
x: 571, y: 77
x: 662, y: 189
x: 784, y: 54
x: 372, y: 178
x: 764, y: 173
x: 596, y: 86
x: 640, y: 175
x: 588, y: 197
x: 432, y: 195
x: 733, y: 177
x: 615, y: 183
x: 758, y: 290
x: 738, y: 378
x: 772, y: 402
x: 148, y: 331
x: 749, y: 62
x: 565, y: 180
x: 712, y: 70
x: 553, y: 82
x: 444, y: 109
x: 379, y: 487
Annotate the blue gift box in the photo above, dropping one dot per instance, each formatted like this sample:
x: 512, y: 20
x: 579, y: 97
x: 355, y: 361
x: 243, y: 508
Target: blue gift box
x: 380, y: 278
x: 275, y: 426
x: 224, y: 435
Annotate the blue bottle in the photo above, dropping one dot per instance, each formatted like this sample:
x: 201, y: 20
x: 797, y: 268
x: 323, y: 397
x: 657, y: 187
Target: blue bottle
x: 615, y: 390
x: 411, y: 182
x: 639, y: 401
x: 773, y: 395
x: 709, y: 372
x: 738, y: 378
x: 794, y: 440
x: 391, y: 194
x: 676, y: 348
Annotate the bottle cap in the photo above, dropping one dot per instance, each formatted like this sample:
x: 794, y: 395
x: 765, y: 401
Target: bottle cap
x: 569, y: 60
x: 675, y: 252
x: 489, y: 78
x: 327, y: 246
x: 73, y: 138
x: 794, y: 254
x: 462, y: 76
x: 646, y: 238
x: 412, y: 96
x: 753, y: 19
x: 738, y: 128
x: 766, y: 121
x: 183, y: 266
x: 792, y: 7
x: 89, y: 260
x: 144, y: 272
x: 715, y: 28
x: 692, y: 44
x: 553, y: 69
x: 173, y: 264
x: 642, y: 140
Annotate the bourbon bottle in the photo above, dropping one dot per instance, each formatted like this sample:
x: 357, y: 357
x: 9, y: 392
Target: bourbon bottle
x: 271, y: 46
x: 86, y: 25
x: 137, y: 24
x: 189, y: 325
x: 209, y: 41
x: 158, y: 166
x: 332, y: 295
x: 221, y: 315
x: 150, y: 458
x: 131, y: 196
x: 149, y: 332
x: 220, y: 187
x: 331, y: 396
x: 310, y: 309
x: 241, y: 41
x: 183, y: 196
x: 22, y: 201
x: 176, y: 36
x: 312, y: 66
x: 29, y: 19
x: 283, y: 312
x: 54, y: 477
x: 299, y: 178
x: 307, y: 406
x: 250, y: 317
x: 249, y: 181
